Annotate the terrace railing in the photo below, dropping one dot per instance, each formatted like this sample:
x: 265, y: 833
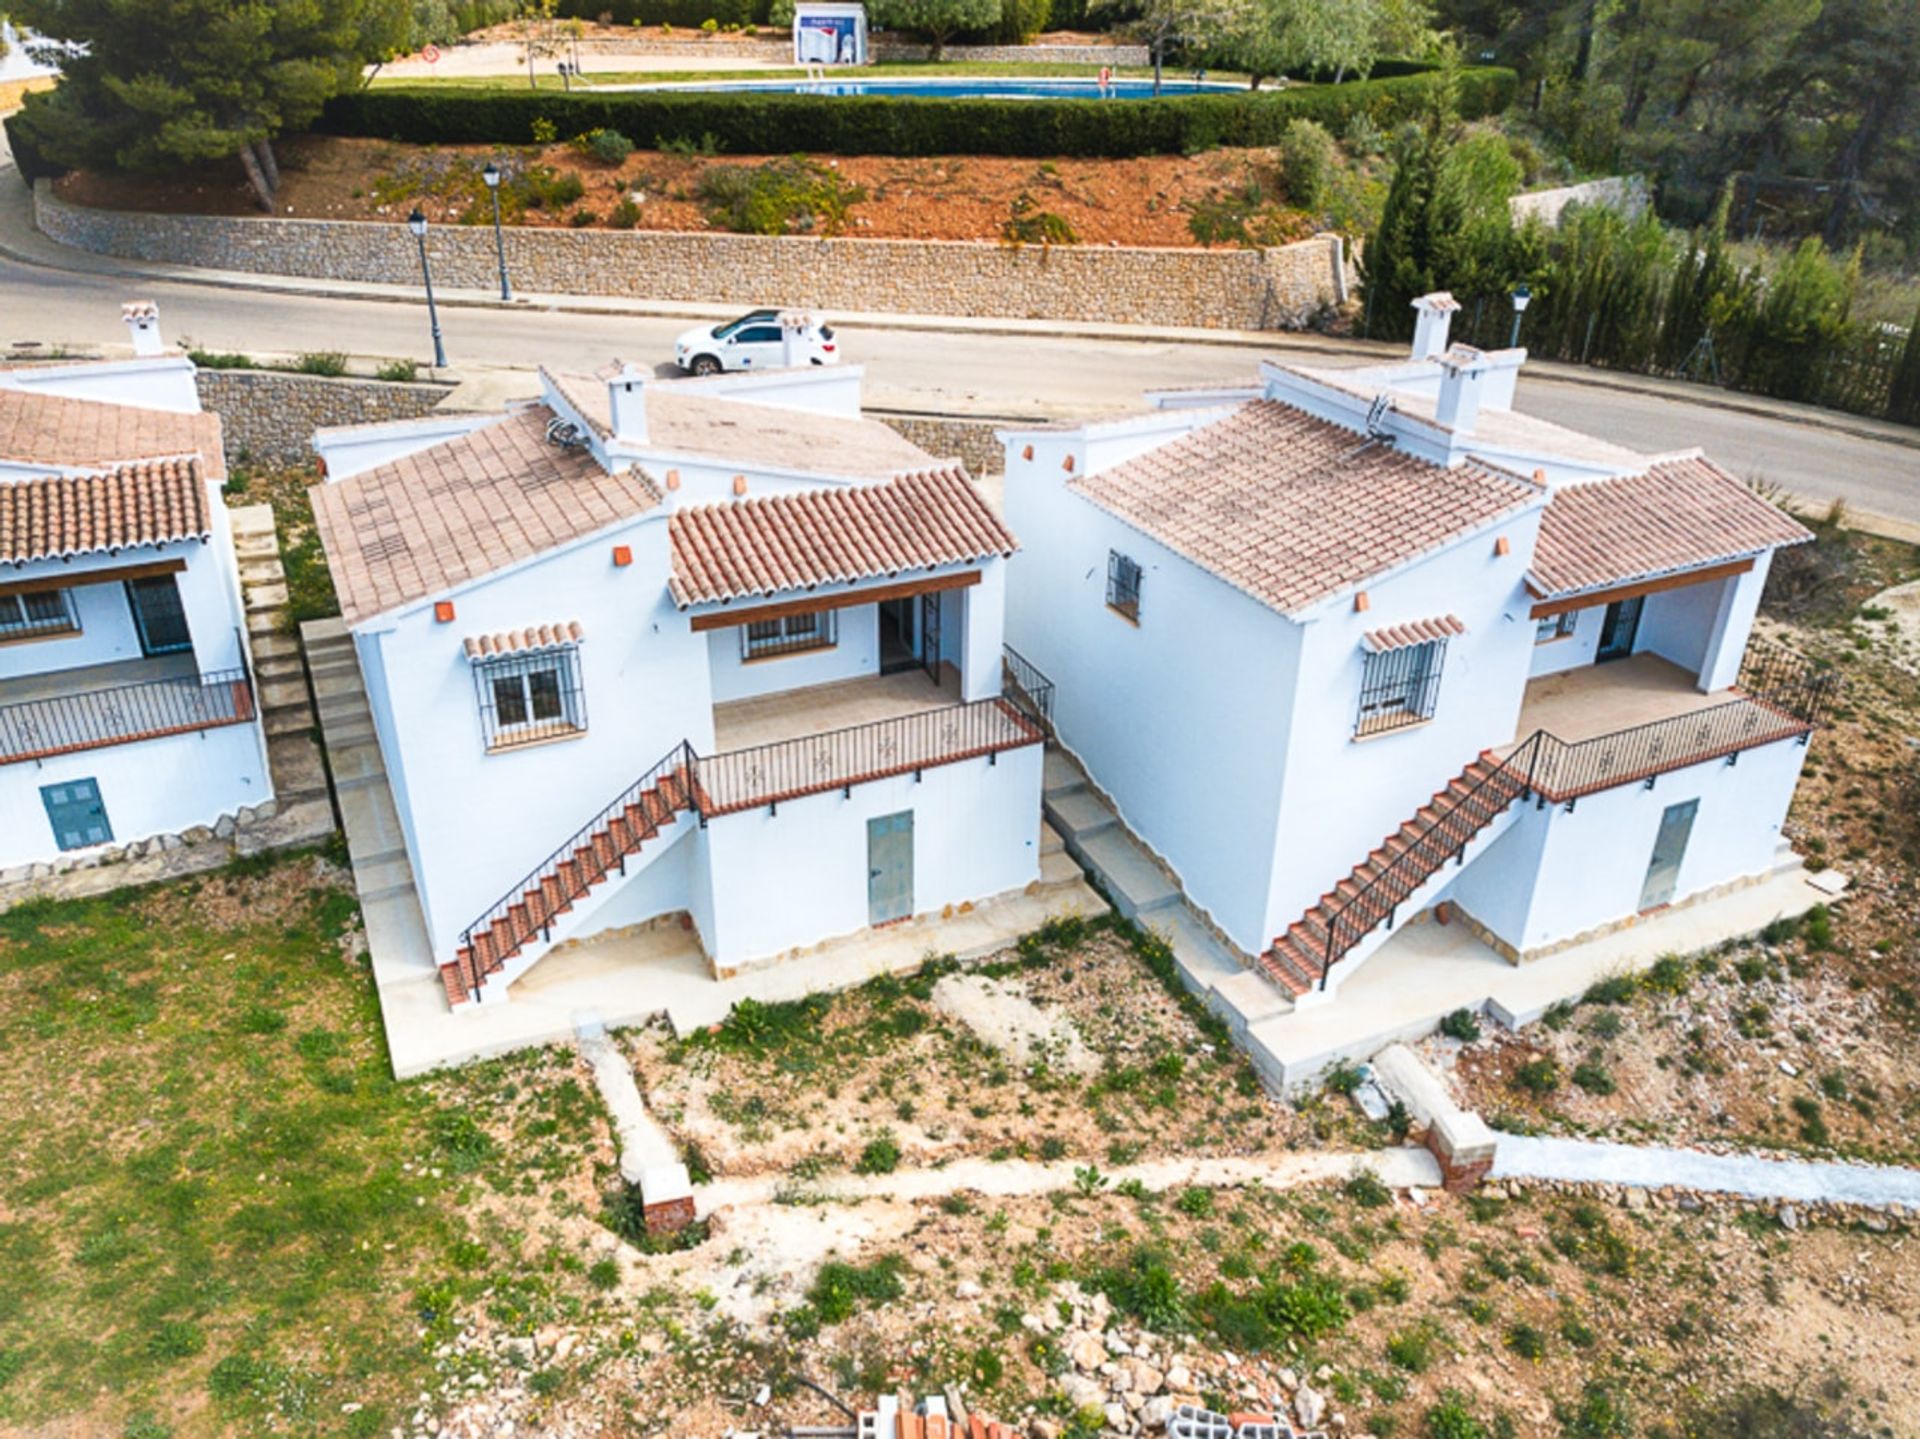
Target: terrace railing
x: 122, y: 714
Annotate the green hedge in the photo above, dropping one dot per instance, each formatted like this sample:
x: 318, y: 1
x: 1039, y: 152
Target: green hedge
x: 748, y: 123
x: 21, y: 139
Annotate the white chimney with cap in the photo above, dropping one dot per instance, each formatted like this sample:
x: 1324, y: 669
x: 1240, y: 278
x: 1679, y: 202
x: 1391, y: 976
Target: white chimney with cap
x: 1463, y: 372
x: 627, y: 401
x: 143, y: 323
x: 1433, y: 318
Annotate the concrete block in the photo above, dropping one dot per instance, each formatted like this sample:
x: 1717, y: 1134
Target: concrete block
x: 666, y: 1198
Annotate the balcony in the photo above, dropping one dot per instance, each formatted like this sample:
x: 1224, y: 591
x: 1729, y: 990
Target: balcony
x: 65, y: 711
x: 1626, y: 722
x: 827, y: 737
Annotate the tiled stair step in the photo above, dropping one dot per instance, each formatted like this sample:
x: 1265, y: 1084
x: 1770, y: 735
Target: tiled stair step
x: 1079, y: 812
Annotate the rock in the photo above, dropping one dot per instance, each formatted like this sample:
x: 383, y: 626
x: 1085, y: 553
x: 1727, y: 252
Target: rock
x: 1180, y: 1378
x: 1142, y: 1377
x: 223, y: 827
x: 1087, y: 1351
x: 1309, y: 1407
x: 1636, y: 1199
x: 1876, y: 1223
x: 1155, y: 1412
x: 1116, y: 1415
x: 1787, y: 1069
x: 1289, y: 1380
x: 966, y: 1289
x: 1082, y: 1392
x: 1117, y: 1345
x: 1323, y: 1374
x: 1043, y: 1429
x: 1789, y: 1217
x: 564, y: 1347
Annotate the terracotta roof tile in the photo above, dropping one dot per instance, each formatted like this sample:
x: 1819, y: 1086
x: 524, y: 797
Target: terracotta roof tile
x: 432, y: 521
x: 1292, y: 509
x: 830, y: 536
x: 524, y: 641
x: 149, y: 503
x: 1681, y: 514
x: 57, y: 431
x: 737, y: 430
x: 1413, y: 632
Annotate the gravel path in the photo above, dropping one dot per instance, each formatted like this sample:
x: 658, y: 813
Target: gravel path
x: 1653, y: 1167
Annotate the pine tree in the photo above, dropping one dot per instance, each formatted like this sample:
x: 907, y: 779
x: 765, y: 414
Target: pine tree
x: 163, y: 83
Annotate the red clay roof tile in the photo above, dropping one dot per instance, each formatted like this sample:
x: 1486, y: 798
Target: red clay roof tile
x: 148, y: 503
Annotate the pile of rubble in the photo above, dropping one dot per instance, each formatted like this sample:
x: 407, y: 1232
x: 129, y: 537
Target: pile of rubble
x: 1142, y: 1383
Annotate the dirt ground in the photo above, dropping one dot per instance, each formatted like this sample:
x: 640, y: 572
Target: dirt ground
x: 1143, y: 201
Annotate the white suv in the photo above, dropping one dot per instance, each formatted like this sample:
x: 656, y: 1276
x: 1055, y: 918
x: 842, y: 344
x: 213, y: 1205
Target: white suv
x: 759, y: 340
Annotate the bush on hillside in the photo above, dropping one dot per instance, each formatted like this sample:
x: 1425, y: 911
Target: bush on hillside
x: 876, y: 125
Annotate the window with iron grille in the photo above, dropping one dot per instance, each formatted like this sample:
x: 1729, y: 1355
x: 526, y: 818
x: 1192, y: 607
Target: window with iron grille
x: 1555, y: 627
x: 40, y: 612
x: 1123, y: 585
x: 1400, y: 687
x: 524, y: 698
x: 790, y: 635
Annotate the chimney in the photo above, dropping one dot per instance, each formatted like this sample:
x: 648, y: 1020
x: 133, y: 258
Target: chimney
x: 143, y: 323
x: 1434, y: 313
x: 627, y: 401
x: 1463, y: 373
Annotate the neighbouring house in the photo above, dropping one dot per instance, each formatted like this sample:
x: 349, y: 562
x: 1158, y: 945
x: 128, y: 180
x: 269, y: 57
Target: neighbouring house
x: 127, y: 706
x: 723, y: 651
x: 1349, y: 646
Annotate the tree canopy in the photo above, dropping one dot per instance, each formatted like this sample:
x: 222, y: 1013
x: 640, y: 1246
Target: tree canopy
x: 162, y: 82
x: 938, y: 20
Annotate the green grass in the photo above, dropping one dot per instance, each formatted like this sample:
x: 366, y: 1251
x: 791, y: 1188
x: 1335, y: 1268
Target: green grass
x: 215, y: 1188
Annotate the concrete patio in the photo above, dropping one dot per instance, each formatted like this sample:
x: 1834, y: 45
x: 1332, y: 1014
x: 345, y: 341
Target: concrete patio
x: 1428, y: 970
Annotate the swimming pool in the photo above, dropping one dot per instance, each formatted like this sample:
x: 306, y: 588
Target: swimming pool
x: 984, y: 88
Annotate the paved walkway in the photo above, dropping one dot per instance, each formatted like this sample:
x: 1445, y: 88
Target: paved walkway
x: 1654, y: 1167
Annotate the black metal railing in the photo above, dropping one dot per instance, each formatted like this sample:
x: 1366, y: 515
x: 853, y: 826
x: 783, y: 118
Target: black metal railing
x: 1026, y: 687
x: 839, y: 759
x: 1123, y: 585
x: 1784, y: 697
x: 1399, y: 687
x: 795, y: 634
x: 579, y: 863
x: 119, y: 714
x: 1454, y: 824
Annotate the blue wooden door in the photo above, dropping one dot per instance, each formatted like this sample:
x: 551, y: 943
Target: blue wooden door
x: 890, y: 867
x: 78, y: 816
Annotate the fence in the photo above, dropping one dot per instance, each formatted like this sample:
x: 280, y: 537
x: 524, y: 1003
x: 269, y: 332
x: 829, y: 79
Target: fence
x: 149, y: 709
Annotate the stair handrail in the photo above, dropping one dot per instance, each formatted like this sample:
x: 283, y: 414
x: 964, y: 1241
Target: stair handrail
x: 1022, y: 682
x: 1517, y: 765
x: 680, y: 758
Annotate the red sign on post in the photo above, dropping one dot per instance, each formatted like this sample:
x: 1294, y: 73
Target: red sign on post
x: 431, y: 54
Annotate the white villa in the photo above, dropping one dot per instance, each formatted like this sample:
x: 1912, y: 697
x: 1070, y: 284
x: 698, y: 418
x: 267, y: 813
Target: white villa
x: 1349, y: 647
x: 720, y: 651
x: 127, y: 706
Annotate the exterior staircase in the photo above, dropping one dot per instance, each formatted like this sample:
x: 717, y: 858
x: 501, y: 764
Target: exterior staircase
x: 520, y: 927
x: 1398, y: 871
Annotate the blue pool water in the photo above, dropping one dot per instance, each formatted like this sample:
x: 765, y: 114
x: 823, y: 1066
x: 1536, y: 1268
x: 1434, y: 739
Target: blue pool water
x: 984, y: 88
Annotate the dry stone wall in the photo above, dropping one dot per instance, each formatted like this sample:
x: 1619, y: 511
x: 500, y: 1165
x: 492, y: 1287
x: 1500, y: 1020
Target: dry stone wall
x: 268, y: 417
x: 1280, y: 288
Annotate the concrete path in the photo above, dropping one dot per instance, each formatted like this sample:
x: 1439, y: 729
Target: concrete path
x: 1654, y: 1167
x: 1401, y: 1168
x: 643, y: 1140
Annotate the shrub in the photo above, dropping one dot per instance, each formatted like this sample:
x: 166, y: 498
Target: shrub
x: 1144, y: 1289
x: 1615, y: 989
x: 1028, y: 224
x: 624, y: 215
x: 1412, y: 1349
x: 881, y: 1155
x: 609, y: 147
x: 1195, y: 1202
x: 398, y: 371
x: 1308, y: 159
x: 1462, y: 1024
x: 778, y: 197
x: 885, y: 125
x: 1451, y: 1419
x: 1813, y: 1124
x: 1367, y: 1191
x: 321, y: 362
x: 1669, y: 974
x: 1537, y: 1076
x: 1593, y: 1077
x: 1527, y: 1341
x: 604, y: 1274
x: 838, y: 1289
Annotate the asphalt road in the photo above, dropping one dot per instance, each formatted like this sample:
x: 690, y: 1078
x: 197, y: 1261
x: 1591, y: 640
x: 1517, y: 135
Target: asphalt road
x: 941, y: 372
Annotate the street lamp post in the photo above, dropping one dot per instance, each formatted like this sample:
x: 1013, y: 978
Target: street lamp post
x: 1522, y: 297
x: 492, y: 176
x: 417, y: 223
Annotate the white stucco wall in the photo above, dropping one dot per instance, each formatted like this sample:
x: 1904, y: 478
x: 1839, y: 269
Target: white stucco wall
x: 800, y: 876
x: 659, y: 881
x: 1344, y: 795
x: 1182, y: 718
x: 162, y: 383
x: 157, y: 786
x: 1555, y: 875
x: 1572, y: 651
x: 477, y: 822
x: 1678, y: 624
x: 856, y: 652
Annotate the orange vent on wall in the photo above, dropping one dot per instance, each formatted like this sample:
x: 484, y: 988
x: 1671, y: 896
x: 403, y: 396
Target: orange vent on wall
x: 1067, y: 464
x: 1503, y: 546
x: 1027, y: 453
x: 622, y: 556
x: 739, y: 484
x: 443, y: 611
x: 1361, y: 604
x: 673, y: 479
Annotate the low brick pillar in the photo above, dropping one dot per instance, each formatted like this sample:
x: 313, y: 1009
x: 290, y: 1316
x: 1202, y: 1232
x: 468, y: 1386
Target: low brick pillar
x: 1465, y: 1147
x: 666, y: 1198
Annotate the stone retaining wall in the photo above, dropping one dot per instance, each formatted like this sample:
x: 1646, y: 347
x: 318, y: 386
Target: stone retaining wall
x: 971, y: 441
x: 1280, y: 288
x: 268, y: 417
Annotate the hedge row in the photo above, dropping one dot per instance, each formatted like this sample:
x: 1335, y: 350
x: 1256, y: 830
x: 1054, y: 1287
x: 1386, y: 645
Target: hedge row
x: 750, y: 123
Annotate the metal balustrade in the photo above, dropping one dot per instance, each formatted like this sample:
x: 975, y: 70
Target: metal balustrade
x: 120, y: 714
